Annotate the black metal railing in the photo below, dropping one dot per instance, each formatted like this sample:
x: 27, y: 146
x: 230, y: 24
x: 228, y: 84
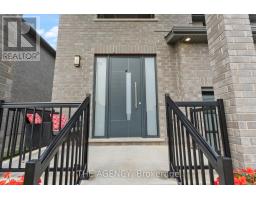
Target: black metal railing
x: 209, y: 118
x: 65, y: 160
x: 22, y: 139
x: 198, y: 143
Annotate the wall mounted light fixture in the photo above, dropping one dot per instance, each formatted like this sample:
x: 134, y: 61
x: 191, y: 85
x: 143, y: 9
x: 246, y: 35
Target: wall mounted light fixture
x: 77, y: 61
x: 187, y: 39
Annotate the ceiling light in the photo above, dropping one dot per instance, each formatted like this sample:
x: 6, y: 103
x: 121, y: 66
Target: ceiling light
x: 187, y: 39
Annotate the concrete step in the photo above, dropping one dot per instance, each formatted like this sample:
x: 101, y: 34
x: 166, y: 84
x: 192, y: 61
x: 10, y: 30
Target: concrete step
x: 128, y: 164
x: 127, y: 141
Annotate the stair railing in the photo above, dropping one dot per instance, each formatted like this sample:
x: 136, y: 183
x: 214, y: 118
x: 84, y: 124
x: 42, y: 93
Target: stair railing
x: 27, y: 128
x: 192, y: 160
x: 65, y: 160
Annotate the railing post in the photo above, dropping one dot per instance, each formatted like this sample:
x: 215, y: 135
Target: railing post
x: 169, y: 127
x: 86, y: 174
x: 226, y: 171
x: 223, y: 127
x: 31, y: 173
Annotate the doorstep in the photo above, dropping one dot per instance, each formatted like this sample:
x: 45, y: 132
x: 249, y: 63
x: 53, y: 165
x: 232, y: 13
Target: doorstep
x: 127, y: 141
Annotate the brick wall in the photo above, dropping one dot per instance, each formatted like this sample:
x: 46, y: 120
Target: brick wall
x: 233, y: 59
x: 86, y: 36
x: 33, y: 81
x: 26, y: 81
x: 194, y: 70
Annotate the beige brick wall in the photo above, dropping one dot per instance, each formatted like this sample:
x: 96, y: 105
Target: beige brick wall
x: 233, y: 59
x: 86, y: 36
x: 194, y: 70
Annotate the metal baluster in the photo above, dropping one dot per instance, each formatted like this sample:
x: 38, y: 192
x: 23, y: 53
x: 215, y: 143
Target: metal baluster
x: 55, y: 168
x: 189, y: 152
x: 80, y: 145
x: 189, y: 159
x: 176, y: 144
x: 180, y: 152
x: 4, y: 138
x: 15, y: 135
x: 60, y: 117
x: 209, y: 127
x: 201, y: 161
x: 46, y: 175
x: 72, y: 161
x: 22, y: 138
x: 67, y: 161
x: 194, y: 147
x: 195, y: 162
x: 32, y: 132
x: 76, y: 168
x: 11, y: 133
x: 75, y: 150
x: 41, y: 136
x: 201, y: 124
x: 211, y: 176
x: 214, y: 131
x: 51, y: 122
x: 205, y: 125
x: 184, y: 154
x: 69, y: 112
x: 217, y: 130
x: 61, y: 163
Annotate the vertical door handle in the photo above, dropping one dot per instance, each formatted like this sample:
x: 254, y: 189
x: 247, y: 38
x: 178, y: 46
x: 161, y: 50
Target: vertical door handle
x: 135, y: 95
x: 128, y: 95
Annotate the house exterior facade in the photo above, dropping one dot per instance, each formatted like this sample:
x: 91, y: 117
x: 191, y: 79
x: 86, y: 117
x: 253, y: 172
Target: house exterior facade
x: 27, y: 81
x: 129, y: 62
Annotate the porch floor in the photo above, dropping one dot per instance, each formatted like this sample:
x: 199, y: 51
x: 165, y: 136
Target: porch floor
x: 128, y: 164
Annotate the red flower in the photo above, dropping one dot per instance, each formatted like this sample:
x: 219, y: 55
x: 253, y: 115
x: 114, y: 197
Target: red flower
x: 21, y: 178
x: 56, y: 121
x: 38, y: 119
x: 7, y: 175
x: 217, y: 181
x: 237, y: 181
x: 249, y: 170
x: 242, y: 180
x: 7, y: 180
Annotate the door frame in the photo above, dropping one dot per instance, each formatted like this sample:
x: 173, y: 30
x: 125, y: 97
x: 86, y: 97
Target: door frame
x: 144, y: 119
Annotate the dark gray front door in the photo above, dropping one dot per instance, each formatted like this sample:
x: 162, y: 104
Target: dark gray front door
x: 125, y: 103
x: 125, y: 97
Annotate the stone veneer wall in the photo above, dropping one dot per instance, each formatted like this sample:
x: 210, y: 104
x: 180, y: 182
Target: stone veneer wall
x: 233, y: 59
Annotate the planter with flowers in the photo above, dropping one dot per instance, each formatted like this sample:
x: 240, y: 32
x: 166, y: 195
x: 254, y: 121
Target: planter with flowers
x: 245, y: 176
x: 8, y: 179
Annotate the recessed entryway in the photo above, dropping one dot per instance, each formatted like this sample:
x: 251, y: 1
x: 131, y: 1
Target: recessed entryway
x: 125, y: 97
